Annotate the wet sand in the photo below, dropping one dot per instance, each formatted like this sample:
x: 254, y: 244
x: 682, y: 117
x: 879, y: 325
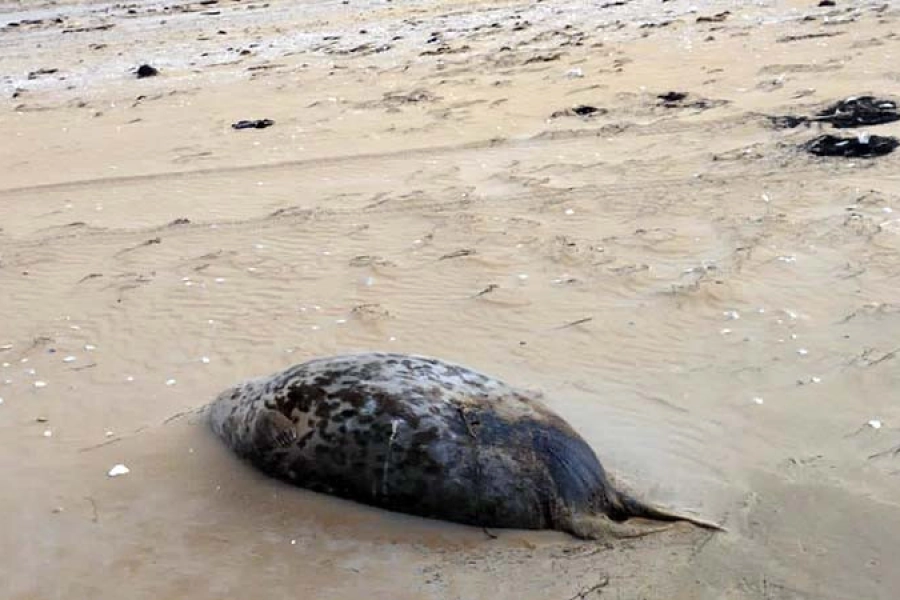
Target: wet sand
x: 713, y: 309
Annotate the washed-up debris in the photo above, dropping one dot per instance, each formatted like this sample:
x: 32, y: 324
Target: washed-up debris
x: 25, y: 22
x: 40, y: 384
x: 458, y: 254
x: 371, y: 312
x: 366, y: 260
x: 151, y: 242
x: 874, y: 424
x: 675, y: 99
x: 582, y: 110
x: 253, y: 124
x: 716, y: 18
x: 671, y: 98
x: 788, y: 121
x: 860, y: 111
x: 413, y: 97
x: 786, y: 39
x: 490, y: 288
x: 445, y: 49
x: 543, y: 58
x: 856, y: 111
x: 118, y: 470
x: 146, y: 71
x: 88, y: 277
x: 44, y: 71
x: 863, y: 146
x: 576, y: 322
x: 103, y: 27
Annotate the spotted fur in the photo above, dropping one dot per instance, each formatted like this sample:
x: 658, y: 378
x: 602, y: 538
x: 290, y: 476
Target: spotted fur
x: 425, y: 437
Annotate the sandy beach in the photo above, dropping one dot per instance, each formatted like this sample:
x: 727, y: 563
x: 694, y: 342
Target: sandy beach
x: 588, y: 200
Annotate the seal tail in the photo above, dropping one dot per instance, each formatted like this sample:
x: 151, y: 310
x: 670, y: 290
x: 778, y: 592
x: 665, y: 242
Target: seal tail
x: 633, y: 508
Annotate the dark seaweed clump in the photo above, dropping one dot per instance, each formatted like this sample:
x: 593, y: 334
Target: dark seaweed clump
x: 858, y: 111
x: 856, y: 147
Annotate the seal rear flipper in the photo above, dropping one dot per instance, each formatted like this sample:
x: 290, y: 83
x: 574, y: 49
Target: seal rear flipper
x: 634, y: 508
x: 599, y: 527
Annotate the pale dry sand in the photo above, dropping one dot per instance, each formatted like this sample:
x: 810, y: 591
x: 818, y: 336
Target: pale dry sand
x: 738, y: 299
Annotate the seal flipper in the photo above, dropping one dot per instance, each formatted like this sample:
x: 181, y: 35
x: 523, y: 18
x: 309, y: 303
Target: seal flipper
x: 630, y: 507
x: 272, y: 431
x: 599, y: 527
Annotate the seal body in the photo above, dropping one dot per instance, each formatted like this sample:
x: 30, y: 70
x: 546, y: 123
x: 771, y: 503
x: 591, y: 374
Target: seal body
x: 425, y: 437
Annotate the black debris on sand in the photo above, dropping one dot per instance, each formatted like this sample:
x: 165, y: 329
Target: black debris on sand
x: 788, y: 121
x: 582, y: 110
x: 146, y: 71
x: 857, y: 111
x: 253, y: 124
x: 863, y: 146
x: 672, y: 99
x: 675, y: 99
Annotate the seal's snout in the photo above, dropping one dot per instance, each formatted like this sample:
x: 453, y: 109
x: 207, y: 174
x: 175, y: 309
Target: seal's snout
x: 224, y: 408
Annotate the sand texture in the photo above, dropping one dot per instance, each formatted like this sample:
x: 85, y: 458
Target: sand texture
x: 497, y: 183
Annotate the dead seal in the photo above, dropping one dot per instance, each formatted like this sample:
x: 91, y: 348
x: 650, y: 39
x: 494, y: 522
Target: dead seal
x: 425, y: 437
